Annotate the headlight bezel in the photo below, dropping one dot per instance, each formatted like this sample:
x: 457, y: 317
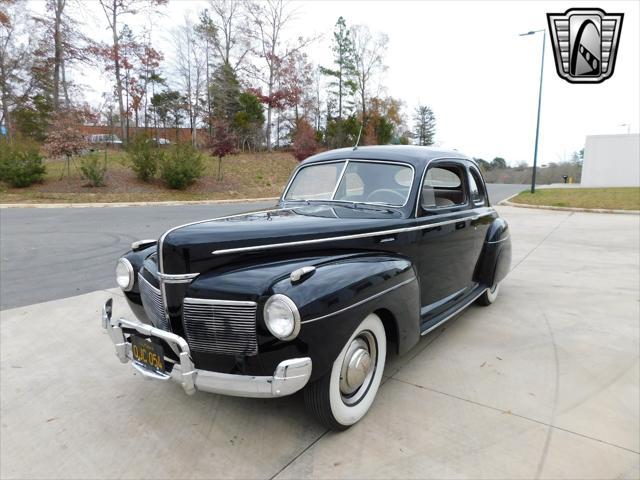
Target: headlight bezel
x: 130, y: 272
x: 291, y: 306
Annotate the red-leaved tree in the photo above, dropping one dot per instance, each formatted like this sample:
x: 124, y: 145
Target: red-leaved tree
x: 304, y: 141
x: 64, y: 139
x: 222, y: 143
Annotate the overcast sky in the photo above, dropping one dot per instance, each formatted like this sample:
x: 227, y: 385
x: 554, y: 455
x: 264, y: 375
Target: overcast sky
x: 466, y: 61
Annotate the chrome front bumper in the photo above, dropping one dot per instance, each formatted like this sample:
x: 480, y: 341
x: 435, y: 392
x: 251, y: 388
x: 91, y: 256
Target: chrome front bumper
x: 289, y: 376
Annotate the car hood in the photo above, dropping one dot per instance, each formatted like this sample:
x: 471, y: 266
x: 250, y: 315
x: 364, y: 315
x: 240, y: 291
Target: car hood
x: 201, y: 246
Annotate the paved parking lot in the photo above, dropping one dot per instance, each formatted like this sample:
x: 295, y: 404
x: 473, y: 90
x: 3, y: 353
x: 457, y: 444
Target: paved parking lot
x: 542, y: 384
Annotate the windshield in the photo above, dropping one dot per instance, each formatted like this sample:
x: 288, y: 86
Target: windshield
x: 353, y: 181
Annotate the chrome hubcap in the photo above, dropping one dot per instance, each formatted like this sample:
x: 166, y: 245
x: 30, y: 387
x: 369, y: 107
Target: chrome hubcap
x: 358, y: 367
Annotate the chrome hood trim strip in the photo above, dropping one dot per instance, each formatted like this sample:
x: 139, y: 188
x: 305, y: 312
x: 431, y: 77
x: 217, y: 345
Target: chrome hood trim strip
x: 270, y: 246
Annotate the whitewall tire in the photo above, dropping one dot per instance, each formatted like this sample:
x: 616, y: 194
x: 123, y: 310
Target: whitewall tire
x: 344, y: 394
x: 489, y: 296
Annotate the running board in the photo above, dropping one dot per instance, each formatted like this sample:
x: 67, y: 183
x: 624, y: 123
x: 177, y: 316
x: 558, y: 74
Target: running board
x: 450, y: 314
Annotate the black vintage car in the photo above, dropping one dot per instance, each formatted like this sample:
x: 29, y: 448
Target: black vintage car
x: 368, y: 249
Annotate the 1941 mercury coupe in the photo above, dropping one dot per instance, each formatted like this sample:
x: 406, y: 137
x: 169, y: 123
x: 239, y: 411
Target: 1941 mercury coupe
x: 368, y: 249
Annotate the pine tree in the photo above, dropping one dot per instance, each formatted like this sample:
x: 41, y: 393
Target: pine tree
x: 425, y: 126
x: 343, y: 84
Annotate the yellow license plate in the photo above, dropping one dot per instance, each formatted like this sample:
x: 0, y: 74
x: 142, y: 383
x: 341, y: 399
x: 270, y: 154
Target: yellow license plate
x: 149, y: 354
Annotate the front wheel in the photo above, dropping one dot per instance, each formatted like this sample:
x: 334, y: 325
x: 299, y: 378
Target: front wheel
x: 344, y: 394
x: 489, y: 296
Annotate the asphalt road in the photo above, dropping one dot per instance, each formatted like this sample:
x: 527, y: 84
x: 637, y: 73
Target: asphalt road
x: 51, y: 253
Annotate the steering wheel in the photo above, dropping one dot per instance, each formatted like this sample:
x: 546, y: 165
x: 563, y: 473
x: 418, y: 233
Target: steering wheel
x: 385, y: 191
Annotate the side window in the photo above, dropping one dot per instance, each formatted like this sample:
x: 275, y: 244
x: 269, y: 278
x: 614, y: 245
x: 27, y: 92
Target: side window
x: 476, y: 189
x: 443, y: 187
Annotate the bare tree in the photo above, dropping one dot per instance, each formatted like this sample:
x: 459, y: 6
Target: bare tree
x: 114, y: 10
x: 232, y: 40
x: 190, y: 67
x: 62, y: 44
x: 57, y: 6
x: 14, y: 56
x: 368, y: 56
x: 317, y: 98
x: 206, y: 34
x: 269, y: 19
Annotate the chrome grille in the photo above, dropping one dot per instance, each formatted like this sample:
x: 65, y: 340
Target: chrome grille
x: 152, y: 303
x: 220, y: 326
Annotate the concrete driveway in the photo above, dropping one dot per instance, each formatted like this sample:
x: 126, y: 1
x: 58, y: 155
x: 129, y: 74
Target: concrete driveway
x: 542, y: 384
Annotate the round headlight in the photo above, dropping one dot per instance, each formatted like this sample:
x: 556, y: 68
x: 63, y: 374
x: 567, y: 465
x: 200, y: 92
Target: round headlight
x: 282, y: 317
x: 124, y: 274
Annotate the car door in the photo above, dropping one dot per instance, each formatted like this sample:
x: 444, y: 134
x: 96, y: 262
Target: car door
x: 444, y: 253
x: 479, y: 199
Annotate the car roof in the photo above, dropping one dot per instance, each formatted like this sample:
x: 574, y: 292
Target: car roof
x: 415, y: 155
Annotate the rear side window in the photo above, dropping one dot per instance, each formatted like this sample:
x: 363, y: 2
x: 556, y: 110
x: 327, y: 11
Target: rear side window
x: 443, y: 188
x: 476, y: 190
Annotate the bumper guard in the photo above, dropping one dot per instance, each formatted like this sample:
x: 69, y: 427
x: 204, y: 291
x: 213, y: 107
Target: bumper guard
x: 289, y: 377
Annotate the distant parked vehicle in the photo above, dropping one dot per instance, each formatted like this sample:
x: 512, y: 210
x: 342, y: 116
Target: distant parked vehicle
x: 104, y: 138
x: 162, y: 141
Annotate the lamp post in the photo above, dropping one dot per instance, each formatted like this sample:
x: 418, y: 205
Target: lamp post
x: 535, y: 150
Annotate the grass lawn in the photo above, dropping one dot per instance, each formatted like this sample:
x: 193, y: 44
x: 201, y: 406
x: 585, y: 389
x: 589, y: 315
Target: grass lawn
x: 257, y: 175
x: 604, y: 198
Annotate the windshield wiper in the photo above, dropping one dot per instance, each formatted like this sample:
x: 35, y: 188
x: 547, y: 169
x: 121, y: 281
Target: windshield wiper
x: 372, y: 206
x: 348, y: 203
x: 356, y: 205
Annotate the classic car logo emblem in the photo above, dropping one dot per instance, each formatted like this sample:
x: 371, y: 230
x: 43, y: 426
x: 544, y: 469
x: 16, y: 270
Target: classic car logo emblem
x: 585, y: 43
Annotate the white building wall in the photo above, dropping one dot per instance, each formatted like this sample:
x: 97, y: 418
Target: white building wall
x: 611, y: 161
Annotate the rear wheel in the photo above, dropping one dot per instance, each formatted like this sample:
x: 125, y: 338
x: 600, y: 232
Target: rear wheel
x: 344, y: 394
x: 489, y: 296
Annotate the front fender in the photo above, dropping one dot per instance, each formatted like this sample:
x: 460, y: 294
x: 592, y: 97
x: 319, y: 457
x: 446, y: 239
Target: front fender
x: 136, y: 258
x: 341, y: 293
x: 332, y: 301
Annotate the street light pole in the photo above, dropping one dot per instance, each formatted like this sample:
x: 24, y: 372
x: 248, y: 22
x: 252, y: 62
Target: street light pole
x: 535, y: 149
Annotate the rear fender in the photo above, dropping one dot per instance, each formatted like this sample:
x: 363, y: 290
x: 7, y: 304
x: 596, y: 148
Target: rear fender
x: 495, y: 258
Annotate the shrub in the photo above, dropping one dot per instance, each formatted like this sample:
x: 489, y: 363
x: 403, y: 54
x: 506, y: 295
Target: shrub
x: 181, y: 166
x: 20, y: 164
x: 144, y: 156
x: 93, y: 170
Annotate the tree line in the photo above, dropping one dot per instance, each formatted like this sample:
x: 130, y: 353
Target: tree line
x: 236, y: 82
x: 499, y: 171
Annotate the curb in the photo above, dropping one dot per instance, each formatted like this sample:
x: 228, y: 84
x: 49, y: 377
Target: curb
x: 133, y: 204
x: 507, y: 203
